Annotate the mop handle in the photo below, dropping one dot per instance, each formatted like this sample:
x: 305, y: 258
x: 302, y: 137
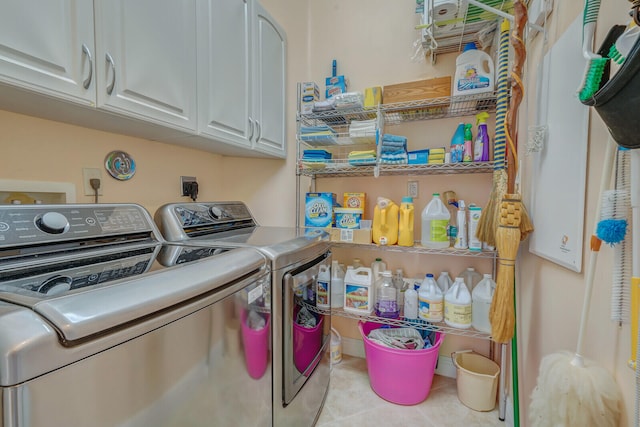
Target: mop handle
x: 595, y: 247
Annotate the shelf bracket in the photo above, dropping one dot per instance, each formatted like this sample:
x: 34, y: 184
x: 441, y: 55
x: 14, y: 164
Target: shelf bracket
x: 502, y: 14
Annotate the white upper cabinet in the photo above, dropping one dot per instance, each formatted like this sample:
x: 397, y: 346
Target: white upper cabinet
x: 241, y: 68
x: 146, y: 60
x: 48, y: 47
x: 269, y: 84
x: 224, y: 89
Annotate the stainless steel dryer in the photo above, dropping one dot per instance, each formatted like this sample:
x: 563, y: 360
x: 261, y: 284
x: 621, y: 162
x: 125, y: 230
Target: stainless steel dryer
x: 301, y: 360
x: 104, y: 324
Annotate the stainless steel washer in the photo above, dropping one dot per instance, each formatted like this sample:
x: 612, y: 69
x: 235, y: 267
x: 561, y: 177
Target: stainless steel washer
x: 301, y: 361
x: 104, y: 324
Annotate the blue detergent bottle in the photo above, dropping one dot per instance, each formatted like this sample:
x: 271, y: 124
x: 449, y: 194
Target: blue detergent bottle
x: 457, y: 145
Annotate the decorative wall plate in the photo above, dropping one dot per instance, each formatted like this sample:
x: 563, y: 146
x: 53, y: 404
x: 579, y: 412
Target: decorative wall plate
x: 120, y: 165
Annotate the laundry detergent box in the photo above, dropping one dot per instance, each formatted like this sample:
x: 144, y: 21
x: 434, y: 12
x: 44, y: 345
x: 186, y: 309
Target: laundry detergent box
x: 355, y: 201
x: 308, y: 94
x: 347, y: 217
x: 318, y: 210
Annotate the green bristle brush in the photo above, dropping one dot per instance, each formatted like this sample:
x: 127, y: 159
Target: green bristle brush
x: 596, y: 63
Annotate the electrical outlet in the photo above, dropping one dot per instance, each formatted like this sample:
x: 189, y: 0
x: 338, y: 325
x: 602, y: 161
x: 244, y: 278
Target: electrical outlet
x: 412, y: 189
x: 87, y: 174
x: 184, y: 180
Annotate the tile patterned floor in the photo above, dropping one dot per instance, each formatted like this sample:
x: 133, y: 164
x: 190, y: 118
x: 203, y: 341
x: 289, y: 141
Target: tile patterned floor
x: 351, y: 402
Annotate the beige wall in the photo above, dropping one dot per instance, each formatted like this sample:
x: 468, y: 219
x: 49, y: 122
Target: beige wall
x: 373, y: 43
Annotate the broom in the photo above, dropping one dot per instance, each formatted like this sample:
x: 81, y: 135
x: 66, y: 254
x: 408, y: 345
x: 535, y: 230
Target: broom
x: 513, y: 220
x: 570, y: 389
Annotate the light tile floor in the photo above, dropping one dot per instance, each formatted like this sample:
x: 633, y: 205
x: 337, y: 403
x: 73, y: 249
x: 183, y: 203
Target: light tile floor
x: 351, y: 402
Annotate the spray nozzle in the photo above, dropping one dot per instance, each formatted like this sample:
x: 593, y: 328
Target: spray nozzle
x: 481, y: 118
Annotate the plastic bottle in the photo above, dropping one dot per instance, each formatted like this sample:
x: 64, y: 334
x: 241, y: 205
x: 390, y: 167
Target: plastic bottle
x: 377, y: 267
x: 406, y: 221
x: 481, y: 298
x: 323, y: 292
x: 401, y: 288
x: 457, y: 145
x: 481, y: 146
x: 430, y: 299
x: 337, y: 284
x: 444, y: 282
x: 357, y: 263
x: 385, y: 222
x: 411, y: 304
x: 471, y: 277
x: 467, y: 153
x: 435, y: 219
x: 386, y: 303
x: 358, y: 295
x: 475, y: 212
x: 474, y: 72
x: 457, y: 305
x: 461, y: 219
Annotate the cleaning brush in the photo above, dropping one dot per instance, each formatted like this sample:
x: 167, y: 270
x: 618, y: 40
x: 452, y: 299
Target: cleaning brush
x: 596, y: 63
x: 623, y: 45
x: 612, y: 226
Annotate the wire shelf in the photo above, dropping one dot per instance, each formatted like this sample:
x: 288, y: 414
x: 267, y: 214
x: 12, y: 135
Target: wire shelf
x: 401, y: 323
x: 491, y: 254
x: 340, y: 168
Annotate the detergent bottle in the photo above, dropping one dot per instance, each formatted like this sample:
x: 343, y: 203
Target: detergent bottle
x: 481, y: 298
x: 435, y: 219
x: 457, y: 305
x: 467, y: 152
x: 430, y: 299
x: 405, y: 224
x: 385, y: 222
x: 323, y: 293
x: 474, y: 72
x: 358, y: 295
x: 461, y: 237
x: 457, y: 145
x: 481, y: 146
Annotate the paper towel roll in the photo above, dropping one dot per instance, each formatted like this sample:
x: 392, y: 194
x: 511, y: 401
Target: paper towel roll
x: 444, y: 9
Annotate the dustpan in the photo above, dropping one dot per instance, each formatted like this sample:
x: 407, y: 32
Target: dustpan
x: 617, y: 101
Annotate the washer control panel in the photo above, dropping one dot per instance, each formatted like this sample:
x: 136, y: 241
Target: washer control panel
x: 211, y: 214
x: 26, y: 225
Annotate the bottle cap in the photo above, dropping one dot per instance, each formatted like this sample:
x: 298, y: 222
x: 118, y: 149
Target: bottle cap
x: 429, y: 275
x: 469, y: 46
x: 407, y: 199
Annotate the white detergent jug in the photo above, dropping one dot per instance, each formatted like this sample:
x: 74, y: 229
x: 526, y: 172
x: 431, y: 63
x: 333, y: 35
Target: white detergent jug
x: 474, y: 72
x: 457, y: 305
x: 435, y: 220
x: 482, y: 296
x: 358, y: 292
x: 430, y: 299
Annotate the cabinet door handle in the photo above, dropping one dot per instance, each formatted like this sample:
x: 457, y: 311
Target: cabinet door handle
x: 251, y: 127
x: 85, y: 51
x: 259, y: 130
x: 113, y: 69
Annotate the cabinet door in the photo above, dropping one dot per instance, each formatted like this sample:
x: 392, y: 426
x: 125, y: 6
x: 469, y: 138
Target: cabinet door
x: 47, y: 47
x: 224, y: 89
x: 146, y: 60
x: 269, y: 84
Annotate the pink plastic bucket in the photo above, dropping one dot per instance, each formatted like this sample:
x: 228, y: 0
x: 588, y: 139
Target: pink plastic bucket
x: 306, y: 345
x: 256, y: 347
x: 399, y: 376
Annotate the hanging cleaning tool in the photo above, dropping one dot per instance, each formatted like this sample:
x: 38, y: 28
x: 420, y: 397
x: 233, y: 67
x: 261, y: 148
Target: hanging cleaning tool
x: 596, y: 63
x: 621, y: 48
x: 481, y: 145
x: 486, y: 231
x: 572, y: 390
x: 513, y: 220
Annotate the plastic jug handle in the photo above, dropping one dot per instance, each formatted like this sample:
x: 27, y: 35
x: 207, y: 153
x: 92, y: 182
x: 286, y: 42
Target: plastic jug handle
x: 383, y: 217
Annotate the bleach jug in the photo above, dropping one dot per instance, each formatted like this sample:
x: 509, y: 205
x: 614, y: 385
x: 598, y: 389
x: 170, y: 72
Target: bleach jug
x: 481, y: 298
x: 474, y: 72
x: 405, y: 223
x: 444, y: 282
x: 430, y: 299
x: 457, y: 305
x: 322, y: 287
x: 471, y: 277
x: 337, y: 284
x: 358, y: 295
x: 435, y: 219
x: 385, y: 222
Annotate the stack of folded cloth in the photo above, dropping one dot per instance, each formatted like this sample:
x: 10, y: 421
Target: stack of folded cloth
x: 393, y: 149
x: 318, y: 134
x: 315, y: 156
x: 436, y: 156
x: 363, y: 129
x: 357, y: 158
